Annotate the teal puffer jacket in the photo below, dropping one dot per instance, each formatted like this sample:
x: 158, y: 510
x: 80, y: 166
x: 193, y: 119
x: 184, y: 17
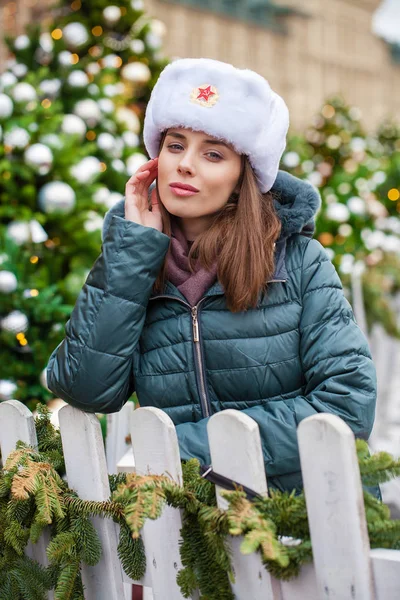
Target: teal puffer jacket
x: 300, y: 352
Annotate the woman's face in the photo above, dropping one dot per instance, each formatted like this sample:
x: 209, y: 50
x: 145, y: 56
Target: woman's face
x: 196, y: 159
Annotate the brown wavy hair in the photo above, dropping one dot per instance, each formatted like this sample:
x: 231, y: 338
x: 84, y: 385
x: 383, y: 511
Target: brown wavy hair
x: 241, y: 235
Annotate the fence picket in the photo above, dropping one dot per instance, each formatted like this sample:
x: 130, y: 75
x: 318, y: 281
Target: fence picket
x: 156, y: 451
x: 235, y: 448
x: 335, y: 508
x: 86, y: 468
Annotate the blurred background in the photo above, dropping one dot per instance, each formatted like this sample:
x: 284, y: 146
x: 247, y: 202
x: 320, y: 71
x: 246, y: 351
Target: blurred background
x: 75, y: 78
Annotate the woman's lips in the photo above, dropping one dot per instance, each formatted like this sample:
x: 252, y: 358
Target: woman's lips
x: 182, y: 192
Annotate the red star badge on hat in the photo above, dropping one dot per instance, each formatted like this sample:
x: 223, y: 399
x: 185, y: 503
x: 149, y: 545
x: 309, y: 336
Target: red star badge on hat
x: 205, y: 95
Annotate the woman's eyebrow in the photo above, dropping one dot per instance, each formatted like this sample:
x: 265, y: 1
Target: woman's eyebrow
x: 214, y: 142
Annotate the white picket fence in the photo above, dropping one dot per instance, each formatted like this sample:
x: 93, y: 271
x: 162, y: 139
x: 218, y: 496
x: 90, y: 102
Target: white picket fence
x: 344, y: 566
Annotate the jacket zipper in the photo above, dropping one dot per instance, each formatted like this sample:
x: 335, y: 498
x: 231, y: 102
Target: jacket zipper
x: 204, y: 401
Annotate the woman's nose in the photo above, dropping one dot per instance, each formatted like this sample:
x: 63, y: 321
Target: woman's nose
x: 186, y: 166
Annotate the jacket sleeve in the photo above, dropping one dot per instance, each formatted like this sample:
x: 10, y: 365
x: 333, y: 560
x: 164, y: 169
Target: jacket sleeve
x: 91, y: 368
x: 339, y: 373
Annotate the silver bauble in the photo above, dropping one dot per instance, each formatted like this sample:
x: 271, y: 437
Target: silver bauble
x: 128, y: 118
x: 7, y: 389
x: 137, y: 4
x: 50, y: 87
x: 78, y: 79
x: 74, y: 125
x: 17, y: 138
x: 8, y: 282
x: 24, y: 92
x: 75, y: 35
x: 110, y: 90
x: 106, y: 141
x: 118, y: 165
x: 111, y: 61
x: 20, y: 70
x: 21, y: 42
x: 6, y: 106
x: 136, y: 72
x: 131, y: 139
x: 39, y: 157
x: 65, y: 58
x: 137, y: 46
x: 93, y: 68
x: 112, y: 14
x: 94, y: 221
x: 15, y: 322
x: 26, y: 231
x: 113, y: 198
x: 153, y: 40
x: 135, y: 161
x: 106, y: 105
x: 93, y: 89
x: 56, y: 197
x: 52, y: 140
x: 46, y: 42
x: 86, y: 170
x: 101, y: 194
x: 89, y: 111
x: 7, y: 79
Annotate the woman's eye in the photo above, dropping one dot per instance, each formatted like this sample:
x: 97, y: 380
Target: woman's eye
x: 215, y: 155
x: 175, y: 146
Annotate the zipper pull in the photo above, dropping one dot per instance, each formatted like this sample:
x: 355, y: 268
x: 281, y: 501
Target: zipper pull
x: 195, y: 324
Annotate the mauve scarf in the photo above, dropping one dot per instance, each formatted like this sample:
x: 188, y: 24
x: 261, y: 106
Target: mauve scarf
x: 191, y: 285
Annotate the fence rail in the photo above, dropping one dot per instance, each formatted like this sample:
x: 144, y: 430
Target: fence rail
x: 344, y: 566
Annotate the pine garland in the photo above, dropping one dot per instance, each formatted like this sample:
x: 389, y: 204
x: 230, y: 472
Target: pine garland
x: 34, y: 496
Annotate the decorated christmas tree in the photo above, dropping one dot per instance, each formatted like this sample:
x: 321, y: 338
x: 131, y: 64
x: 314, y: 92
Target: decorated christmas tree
x: 358, y: 176
x: 72, y: 99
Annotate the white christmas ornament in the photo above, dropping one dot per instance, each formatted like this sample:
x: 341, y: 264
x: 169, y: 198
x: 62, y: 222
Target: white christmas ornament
x: 20, y: 70
x: 78, y: 79
x: 52, y: 140
x: 137, y: 46
x: 22, y: 42
x: 110, y: 90
x: 337, y: 212
x: 118, y: 165
x: 135, y: 161
x: 137, y: 4
x: 39, y: 157
x: 358, y: 144
x: 291, y: 159
x: 7, y: 389
x: 56, y: 197
x: 89, y: 111
x: 1, y: 132
x: 111, y: 61
x: 46, y: 42
x: 356, y: 205
x: 112, y: 199
x: 26, y: 231
x: 128, y: 118
x: 93, y: 89
x: 93, y: 68
x: 158, y: 28
x: 86, y: 170
x: 344, y: 188
x: 65, y: 58
x: 106, y: 105
x: 136, y: 72
x: 75, y: 35
x: 24, y: 92
x: 112, y: 14
x: 6, y: 106
x: 7, y: 79
x: 15, y: 322
x: 101, y: 194
x: 153, y: 40
x: 17, y: 138
x: 8, y: 282
x: 131, y: 139
x: 346, y: 264
x: 74, y: 125
x: 50, y: 87
x: 94, y: 221
x: 106, y: 141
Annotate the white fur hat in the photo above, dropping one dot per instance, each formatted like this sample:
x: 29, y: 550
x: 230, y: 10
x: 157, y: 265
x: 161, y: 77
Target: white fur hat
x: 234, y: 105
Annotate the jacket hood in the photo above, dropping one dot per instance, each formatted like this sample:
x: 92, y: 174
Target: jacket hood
x: 296, y: 202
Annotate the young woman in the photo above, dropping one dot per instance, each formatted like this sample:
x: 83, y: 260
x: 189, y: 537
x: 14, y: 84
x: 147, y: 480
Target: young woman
x: 210, y: 292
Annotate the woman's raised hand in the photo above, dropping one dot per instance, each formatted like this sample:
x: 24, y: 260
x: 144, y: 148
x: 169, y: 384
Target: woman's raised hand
x: 137, y: 197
